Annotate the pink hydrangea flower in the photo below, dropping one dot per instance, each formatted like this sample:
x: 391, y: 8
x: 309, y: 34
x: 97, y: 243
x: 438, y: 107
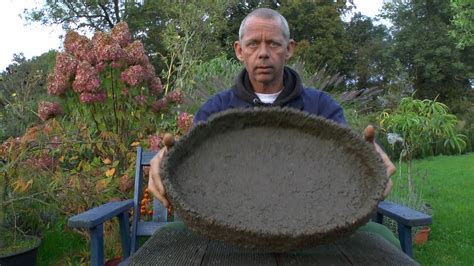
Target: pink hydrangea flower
x: 66, y: 64
x: 160, y: 105
x: 121, y: 34
x: 48, y: 110
x: 57, y: 83
x: 87, y: 78
x: 133, y: 75
x: 176, y: 96
x: 154, y: 142
x: 80, y: 46
x: 141, y: 100
x: 155, y: 86
x: 184, y: 122
x: 100, y: 67
x: 149, y: 72
x: 87, y: 97
x: 135, y: 54
x: 106, y: 49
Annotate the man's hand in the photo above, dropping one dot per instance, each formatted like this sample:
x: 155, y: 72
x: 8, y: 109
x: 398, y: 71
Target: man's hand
x: 154, y: 179
x: 369, y: 135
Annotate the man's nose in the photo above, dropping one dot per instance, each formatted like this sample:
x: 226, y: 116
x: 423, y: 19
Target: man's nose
x: 263, y: 51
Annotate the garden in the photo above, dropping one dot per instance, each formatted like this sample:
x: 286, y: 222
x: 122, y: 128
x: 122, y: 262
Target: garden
x: 130, y: 71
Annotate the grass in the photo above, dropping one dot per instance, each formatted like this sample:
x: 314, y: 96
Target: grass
x: 61, y: 247
x: 449, y: 188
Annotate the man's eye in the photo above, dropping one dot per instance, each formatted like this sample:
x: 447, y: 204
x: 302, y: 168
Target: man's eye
x: 252, y: 44
x: 274, y: 44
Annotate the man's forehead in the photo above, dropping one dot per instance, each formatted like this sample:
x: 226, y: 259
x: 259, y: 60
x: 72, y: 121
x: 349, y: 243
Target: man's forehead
x: 256, y: 25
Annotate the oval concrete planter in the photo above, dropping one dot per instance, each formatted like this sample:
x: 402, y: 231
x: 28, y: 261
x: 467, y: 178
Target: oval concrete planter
x: 273, y: 178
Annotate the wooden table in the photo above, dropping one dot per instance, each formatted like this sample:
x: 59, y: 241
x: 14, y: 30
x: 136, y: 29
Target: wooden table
x: 178, y: 245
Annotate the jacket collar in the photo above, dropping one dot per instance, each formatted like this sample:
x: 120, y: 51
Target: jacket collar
x: 244, y: 96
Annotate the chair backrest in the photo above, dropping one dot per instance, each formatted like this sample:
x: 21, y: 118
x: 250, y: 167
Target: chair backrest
x: 160, y: 214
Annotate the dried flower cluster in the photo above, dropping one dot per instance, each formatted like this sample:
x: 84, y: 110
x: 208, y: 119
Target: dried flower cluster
x: 82, y: 64
x: 184, y: 122
x: 154, y: 142
x: 48, y: 110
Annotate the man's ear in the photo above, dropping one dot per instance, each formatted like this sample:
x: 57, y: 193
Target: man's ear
x: 238, y: 51
x: 290, y: 48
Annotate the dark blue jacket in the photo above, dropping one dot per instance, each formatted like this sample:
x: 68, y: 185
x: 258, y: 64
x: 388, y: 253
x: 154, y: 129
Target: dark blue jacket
x: 294, y: 95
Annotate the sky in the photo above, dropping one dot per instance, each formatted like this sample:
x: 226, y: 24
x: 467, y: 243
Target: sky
x: 35, y: 39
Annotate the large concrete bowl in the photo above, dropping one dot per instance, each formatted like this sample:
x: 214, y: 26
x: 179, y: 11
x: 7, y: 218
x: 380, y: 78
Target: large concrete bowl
x: 273, y: 178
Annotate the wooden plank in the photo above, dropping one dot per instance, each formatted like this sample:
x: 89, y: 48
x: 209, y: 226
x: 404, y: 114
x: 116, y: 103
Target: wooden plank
x: 99, y: 215
x: 322, y: 255
x: 403, y: 214
x: 171, y: 246
x: 147, y: 156
x: 219, y: 253
x: 97, y: 245
x: 124, y: 234
x: 137, y: 192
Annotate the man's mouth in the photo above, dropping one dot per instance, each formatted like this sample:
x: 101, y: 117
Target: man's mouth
x: 264, y: 68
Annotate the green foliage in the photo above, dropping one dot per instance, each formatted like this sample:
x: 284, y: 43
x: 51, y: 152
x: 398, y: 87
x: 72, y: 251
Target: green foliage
x: 61, y: 246
x: 369, y: 57
x: 419, y: 123
x: 319, y: 31
x: 26, y: 197
x: 186, y: 39
x: 209, y: 78
x: 85, y: 15
x: 21, y: 88
x: 422, y: 44
x: 463, y: 22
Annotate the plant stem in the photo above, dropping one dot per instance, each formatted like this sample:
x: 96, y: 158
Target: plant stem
x: 93, y: 117
x: 117, y: 126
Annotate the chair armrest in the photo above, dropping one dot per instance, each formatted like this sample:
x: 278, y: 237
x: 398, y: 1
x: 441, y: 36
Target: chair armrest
x: 98, y: 215
x: 403, y: 215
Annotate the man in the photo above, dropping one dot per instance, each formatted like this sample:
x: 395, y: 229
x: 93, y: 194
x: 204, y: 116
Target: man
x: 264, y: 47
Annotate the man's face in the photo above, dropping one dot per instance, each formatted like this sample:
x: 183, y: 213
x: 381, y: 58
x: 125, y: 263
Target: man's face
x: 264, y: 51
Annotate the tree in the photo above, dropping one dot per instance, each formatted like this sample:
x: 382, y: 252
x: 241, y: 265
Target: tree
x: 424, y: 47
x: 418, y: 123
x: 369, y: 57
x: 463, y: 22
x: 21, y: 87
x: 318, y: 27
x: 79, y: 14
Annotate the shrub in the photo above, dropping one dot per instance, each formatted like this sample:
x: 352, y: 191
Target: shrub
x: 416, y: 124
x: 83, y: 153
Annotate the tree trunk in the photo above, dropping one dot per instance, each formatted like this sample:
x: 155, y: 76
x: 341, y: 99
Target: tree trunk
x: 409, y: 171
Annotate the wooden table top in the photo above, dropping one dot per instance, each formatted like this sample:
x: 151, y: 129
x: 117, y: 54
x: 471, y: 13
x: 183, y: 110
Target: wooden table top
x: 178, y: 245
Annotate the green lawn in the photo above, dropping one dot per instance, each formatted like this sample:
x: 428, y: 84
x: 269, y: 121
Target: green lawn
x: 449, y: 189
x: 61, y: 247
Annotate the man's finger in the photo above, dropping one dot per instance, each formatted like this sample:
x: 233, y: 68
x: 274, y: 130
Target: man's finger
x: 153, y: 188
x: 154, y: 179
x: 369, y: 133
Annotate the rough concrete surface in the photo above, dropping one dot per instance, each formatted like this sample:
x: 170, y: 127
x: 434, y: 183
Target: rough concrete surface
x: 273, y: 178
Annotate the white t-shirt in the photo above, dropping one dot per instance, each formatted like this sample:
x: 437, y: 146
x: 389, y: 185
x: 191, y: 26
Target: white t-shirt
x: 268, y: 98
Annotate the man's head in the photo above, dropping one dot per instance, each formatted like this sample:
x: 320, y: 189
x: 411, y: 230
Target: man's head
x: 266, y: 13
x: 264, y: 47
